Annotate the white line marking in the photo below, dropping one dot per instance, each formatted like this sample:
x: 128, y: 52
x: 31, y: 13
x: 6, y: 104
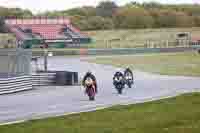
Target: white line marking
x: 13, y: 122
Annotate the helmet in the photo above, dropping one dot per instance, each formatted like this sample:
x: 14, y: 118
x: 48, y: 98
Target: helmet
x: 127, y: 68
x: 89, y: 71
x: 118, y: 69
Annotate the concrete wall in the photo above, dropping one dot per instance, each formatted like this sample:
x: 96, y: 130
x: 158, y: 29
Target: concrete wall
x: 15, y: 61
x: 4, y: 65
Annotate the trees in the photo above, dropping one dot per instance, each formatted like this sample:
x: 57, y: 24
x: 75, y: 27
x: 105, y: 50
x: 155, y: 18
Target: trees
x: 151, y: 5
x: 196, y: 20
x: 86, y: 11
x: 184, y: 20
x: 92, y: 23
x: 171, y: 18
x: 14, y: 12
x: 165, y: 18
x: 106, y: 8
x: 133, y: 17
x: 108, y: 15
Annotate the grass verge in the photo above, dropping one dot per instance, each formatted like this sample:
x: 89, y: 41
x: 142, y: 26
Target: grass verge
x: 174, y: 115
x: 186, y: 64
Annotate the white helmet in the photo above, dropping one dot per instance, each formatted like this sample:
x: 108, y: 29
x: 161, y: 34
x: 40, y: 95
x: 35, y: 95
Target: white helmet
x: 118, y: 70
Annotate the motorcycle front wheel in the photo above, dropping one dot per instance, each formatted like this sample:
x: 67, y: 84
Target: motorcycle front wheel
x: 91, y: 94
x: 91, y: 98
x: 129, y: 86
x: 119, y: 89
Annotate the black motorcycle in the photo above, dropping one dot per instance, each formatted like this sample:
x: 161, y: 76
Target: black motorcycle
x: 128, y: 75
x: 118, y: 82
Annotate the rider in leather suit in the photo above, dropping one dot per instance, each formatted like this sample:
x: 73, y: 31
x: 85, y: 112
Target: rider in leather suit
x: 89, y: 74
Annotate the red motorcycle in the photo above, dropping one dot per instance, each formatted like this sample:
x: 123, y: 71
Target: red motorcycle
x: 90, y: 88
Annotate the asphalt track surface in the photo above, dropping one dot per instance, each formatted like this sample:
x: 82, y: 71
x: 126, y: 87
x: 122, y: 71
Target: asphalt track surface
x: 51, y: 101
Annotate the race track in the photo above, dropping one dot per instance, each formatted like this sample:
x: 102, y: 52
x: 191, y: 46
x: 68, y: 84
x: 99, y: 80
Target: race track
x: 54, y: 101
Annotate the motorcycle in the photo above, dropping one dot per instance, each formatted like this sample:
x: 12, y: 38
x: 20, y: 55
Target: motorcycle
x: 118, y: 82
x: 128, y: 75
x: 90, y: 88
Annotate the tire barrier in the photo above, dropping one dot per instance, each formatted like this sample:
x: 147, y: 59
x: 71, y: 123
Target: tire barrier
x: 66, y: 78
x: 15, y: 84
x: 42, y: 78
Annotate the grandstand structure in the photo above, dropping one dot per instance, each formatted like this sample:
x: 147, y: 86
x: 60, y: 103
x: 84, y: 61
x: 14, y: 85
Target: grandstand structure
x: 54, y: 32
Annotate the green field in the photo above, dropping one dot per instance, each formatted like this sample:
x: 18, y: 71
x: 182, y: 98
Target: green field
x: 186, y: 64
x: 138, y: 37
x: 173, y: 115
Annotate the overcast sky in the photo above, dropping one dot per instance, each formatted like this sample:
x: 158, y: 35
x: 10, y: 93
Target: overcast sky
x: 44, y: 5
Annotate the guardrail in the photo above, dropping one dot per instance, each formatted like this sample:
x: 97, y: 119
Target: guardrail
x: 43, y: 79
x: 28, y: 82
x: 15, y: 84
x: 115, y: 51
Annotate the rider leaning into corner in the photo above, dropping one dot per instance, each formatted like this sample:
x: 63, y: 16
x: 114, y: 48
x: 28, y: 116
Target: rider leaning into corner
x: 128, y: 70
x: 89, y: 74
x: 118, y: 74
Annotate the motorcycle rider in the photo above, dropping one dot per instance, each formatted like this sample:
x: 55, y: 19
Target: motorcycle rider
x: 119, y: 81
x: 90, y: 75
x: 119, y: 75
x: 128, y: 75
x: 128, y: 72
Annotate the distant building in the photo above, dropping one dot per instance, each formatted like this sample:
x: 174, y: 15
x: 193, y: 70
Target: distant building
x: 56, y: 32
x: 183, y: 39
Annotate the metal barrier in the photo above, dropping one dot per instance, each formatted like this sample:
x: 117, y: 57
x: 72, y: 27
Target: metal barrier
x: 15, y: 84
x: 124, y: 51
x: 115, y: 51
x: 43, y: 79
x: 28, y: 82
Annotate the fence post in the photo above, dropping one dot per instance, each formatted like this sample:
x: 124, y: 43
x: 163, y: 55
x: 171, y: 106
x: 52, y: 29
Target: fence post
x: 45, y: 59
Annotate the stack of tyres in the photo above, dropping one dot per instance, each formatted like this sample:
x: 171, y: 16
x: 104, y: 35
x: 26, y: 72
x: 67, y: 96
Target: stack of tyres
x: 60, y: 78
x: 69, y: 78
x: 63, y: 78
x: 66, y: 78
x: 75, y: 77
